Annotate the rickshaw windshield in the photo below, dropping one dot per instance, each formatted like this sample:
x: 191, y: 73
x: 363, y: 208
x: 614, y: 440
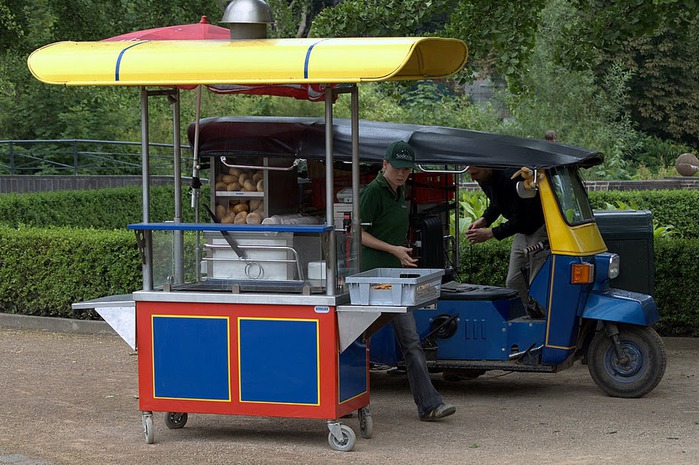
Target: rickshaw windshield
x: 571, y: 195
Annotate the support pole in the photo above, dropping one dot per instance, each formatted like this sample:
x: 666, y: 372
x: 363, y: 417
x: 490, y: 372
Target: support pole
x: 178, y: 241
x: 145, y: 174
x: 331, y: 261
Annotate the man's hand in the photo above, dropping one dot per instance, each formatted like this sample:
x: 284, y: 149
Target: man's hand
x: 478, y: 235
x: 479, y: 223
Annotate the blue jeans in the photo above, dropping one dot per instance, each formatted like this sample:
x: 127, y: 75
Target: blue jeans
x: 425, y: 395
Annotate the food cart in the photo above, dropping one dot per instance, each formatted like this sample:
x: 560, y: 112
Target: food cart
x: 247, y: 318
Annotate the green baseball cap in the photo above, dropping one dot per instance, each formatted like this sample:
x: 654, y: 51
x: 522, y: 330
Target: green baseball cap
x: 400, y: 155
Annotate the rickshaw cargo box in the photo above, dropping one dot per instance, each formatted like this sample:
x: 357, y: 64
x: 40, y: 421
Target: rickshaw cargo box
x: 395, y: 286
x: 432, y: 187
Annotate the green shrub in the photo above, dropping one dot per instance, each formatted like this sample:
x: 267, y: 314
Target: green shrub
x: 103, y: 209
x: 678, y: 208
x: 44, y: 271
x: 676, y: 266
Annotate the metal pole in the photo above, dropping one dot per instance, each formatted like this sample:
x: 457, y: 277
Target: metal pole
x: 196, y: 182
x: 145, y: 174
x: 12, y: 159
x: 178, y: 240
x: 75, y: 157
x: 356, y: 220
x: 331, y: 262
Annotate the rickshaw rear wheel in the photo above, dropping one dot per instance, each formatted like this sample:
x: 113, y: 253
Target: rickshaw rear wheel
x: 635, y: 374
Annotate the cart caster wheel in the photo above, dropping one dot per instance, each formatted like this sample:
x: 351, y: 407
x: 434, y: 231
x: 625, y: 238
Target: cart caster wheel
x: 147, y: 420
x: 175, y: 420
x: 366, y: 424
x: 347, y: 441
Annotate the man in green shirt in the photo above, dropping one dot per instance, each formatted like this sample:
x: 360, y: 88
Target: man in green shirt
x: 382, y: 204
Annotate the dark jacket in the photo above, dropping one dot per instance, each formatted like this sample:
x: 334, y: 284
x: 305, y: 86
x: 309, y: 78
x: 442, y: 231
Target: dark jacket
x: 523, y: 216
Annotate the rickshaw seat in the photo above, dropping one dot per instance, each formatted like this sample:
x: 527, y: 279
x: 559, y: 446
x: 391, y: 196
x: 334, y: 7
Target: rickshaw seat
x: 464, y: 291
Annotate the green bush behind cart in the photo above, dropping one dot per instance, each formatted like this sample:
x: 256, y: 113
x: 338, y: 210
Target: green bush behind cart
x: 62, y: 247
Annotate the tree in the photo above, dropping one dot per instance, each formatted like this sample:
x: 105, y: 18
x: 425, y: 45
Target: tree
x: 658, y: 41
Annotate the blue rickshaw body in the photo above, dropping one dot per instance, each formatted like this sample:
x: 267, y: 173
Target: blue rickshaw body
x: 473, y: 323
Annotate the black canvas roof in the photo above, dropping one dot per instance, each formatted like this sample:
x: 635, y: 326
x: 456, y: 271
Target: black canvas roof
x: 434, y: 145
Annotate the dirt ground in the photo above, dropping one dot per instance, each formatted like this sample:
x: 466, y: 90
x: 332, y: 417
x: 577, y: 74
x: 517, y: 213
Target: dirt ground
x: 71, y: 398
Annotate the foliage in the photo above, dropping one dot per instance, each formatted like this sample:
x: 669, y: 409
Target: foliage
x: 377, y: 18
x: 43, y: 271
x: 105, y: 208
x: 666, y: 84
x: 583, y: 111
x: 655, y: 153
x: 597, y: 71
x: 656, y: 40
x: 669, y: 207
x: 676, y: 263
x: 658, y: 230
x: 472, y: 205
x: 501, y: 36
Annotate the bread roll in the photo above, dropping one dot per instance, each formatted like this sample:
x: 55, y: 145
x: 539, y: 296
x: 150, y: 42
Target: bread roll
x: 221, y: 211
x: 240, y: 218
x: 257, y: 176
x: 249, y: 186
x: 233, y: 187
x: 221, y: 186
x: 228, y: 219
x: 241, y: 207
x: 255, y: 204
x: 229, y: 178
x: 253, y: 218
x: 243, y: 177
x: 260, y: 186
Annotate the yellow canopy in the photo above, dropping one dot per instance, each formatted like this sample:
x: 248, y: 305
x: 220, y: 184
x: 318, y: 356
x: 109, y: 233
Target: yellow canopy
x: 267, y: 61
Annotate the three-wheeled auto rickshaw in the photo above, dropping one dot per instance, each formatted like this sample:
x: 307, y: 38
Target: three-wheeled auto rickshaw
x: 475, y: 327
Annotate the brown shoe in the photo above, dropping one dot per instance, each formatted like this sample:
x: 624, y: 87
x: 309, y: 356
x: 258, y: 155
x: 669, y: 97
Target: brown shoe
x: 439, y: 412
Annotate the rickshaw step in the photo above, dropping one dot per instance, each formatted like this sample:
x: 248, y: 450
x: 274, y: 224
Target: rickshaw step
x: 440, y: 365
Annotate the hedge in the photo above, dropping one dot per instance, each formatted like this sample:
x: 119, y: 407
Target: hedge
x: 44, y: 271
x: 61, y: 258
x: 103, y: 209
x: 679, y: 208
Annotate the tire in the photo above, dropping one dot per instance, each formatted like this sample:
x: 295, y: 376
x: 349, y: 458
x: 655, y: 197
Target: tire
x: 640, y: 374
x: 348, y: 439
x: 366, y: 424
x: 175, y: 420
x: 147, y: 421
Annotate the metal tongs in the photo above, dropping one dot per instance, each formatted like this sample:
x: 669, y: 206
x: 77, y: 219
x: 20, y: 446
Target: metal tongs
x: 226, y: 235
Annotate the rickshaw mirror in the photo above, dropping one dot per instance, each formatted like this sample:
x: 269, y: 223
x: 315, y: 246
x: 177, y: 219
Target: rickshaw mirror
x: 523, y: 192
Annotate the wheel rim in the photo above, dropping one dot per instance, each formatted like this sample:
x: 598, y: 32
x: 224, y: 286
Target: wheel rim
x: 631, y: 369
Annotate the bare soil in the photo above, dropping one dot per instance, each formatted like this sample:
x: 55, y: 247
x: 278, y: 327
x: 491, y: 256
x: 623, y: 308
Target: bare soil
x: 71, y: 398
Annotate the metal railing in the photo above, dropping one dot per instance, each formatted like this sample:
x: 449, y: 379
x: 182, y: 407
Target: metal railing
x: 84, y: 157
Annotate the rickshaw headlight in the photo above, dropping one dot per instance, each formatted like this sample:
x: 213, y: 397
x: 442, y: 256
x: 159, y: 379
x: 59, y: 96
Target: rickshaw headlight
x: 613, y: 266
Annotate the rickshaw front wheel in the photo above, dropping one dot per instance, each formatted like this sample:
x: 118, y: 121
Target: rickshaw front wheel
x: 636, y: 373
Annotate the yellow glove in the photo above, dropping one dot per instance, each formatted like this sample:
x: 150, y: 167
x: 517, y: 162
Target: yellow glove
x: 528, y: 176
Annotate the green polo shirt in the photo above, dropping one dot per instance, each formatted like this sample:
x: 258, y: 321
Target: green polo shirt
x: 388, y: 215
